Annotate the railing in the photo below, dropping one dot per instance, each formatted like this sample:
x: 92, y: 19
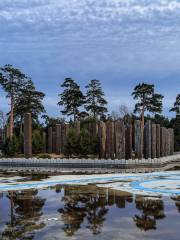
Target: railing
x: 89, y: 165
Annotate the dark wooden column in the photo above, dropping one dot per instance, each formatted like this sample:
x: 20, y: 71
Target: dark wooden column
x: 27, y: 135
x: 54, y: 142
x: 110, y: 143
x: 153, y: 141
x: 102, y: 139
x: 77, y: 127
x: 158, y: 140
x: 137, y: 139
x: 171, y: 141
x: 44, y: 142
x: 147, y: 140
x: 50, y: 140
x: 166, y: 142
x: 163, y: 141
x: 58, y: 139
x: 119, y: 139
x: 128, y: 142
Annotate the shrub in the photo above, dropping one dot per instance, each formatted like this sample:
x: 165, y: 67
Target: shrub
x: 71, y: 146
x: 44, y: 155
x: 37, y: 142
x: 11, y: 147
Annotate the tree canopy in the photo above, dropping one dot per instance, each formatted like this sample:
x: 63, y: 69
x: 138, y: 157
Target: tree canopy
x: 147, y: 100
x: 176, y: 107
x: 95, y: 101
x: 28, y: 100
x: 71, y: 99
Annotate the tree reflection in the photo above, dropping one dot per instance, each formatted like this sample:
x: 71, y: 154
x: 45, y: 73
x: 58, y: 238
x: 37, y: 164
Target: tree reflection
x: 80, y: 205
x: 88, y: 206
x: 151, y: 211
x: 25, y: 212
x: 177, y: 202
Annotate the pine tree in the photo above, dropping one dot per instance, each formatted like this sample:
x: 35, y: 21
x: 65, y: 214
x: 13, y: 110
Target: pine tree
x: 11, y: 79
x: 71, y: 98
x: 147, y: 100
x: 95, y: 101
x: 28, y: 100
x: 176, y: 107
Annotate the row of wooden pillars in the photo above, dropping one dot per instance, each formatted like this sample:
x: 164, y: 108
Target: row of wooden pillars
x: 116, y: 139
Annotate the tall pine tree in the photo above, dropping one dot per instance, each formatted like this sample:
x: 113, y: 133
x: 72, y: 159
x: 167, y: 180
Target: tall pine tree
x: 147, y: 100
x: 71, y: 99
x: 176, y: 107
x: 11, y: 79
x: 95, y: 101
x: 29, y: 100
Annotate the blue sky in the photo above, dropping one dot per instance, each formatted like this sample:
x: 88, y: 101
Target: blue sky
x: 120, y: 42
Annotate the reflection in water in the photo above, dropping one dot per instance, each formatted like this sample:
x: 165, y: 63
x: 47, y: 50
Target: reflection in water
x: 25, y: 211
x: 177, y: 202
x: 78, y: 205
x: 151, y: 210
x: 81, y: 207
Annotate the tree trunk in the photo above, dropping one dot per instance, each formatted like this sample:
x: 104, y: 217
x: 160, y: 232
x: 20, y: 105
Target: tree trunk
x: 11, y: 119
x: 74, y: 115
x: 142, y: 130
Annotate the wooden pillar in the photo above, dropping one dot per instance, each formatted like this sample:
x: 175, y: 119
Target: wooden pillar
x: 67, y: 127
x: 110, y: 144
x: 50, y: 140
x: 119, y: 139
x: 168, y: 141
x: 137, y: 139
x: 128, y: 142
x: 147, y: 140
x: 158, y: 140
x: 77, y: 127
x: 102, y: 139
x: 27, y: 135
x: 54, y: 142
x: 171, y: 141
x: 153, y: 141
x: 7, y: 131
x: 163, y: 141
x: 44, y: 142
x: 63, y: 136
x: 58, y: 139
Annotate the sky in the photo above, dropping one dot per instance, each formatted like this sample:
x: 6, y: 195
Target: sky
x: 119, y: 42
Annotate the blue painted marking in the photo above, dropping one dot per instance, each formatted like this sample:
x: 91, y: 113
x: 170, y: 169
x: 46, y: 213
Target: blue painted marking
x: 136, y: 184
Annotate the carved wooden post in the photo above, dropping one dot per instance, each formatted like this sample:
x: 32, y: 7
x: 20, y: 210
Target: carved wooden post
x: 50, y: 140
x: 54, y: 142
x: 158, y: 140
x: 102, y: 139
x: 166, y: 142
x: 66, y: 129
x: 171, y: 141
x: 163, y: 141
x: 147, y: 140
x: 27, y: 135
x: 120, y: 139
x: 128, y: 142
x: 77, y: 127
x: 44, y: 142
x: 7, y: 131
x: 153, y: 140
x: 110, y: 139
x: 63, y: 136
x: 137, y: 139
x: 58, y: 139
